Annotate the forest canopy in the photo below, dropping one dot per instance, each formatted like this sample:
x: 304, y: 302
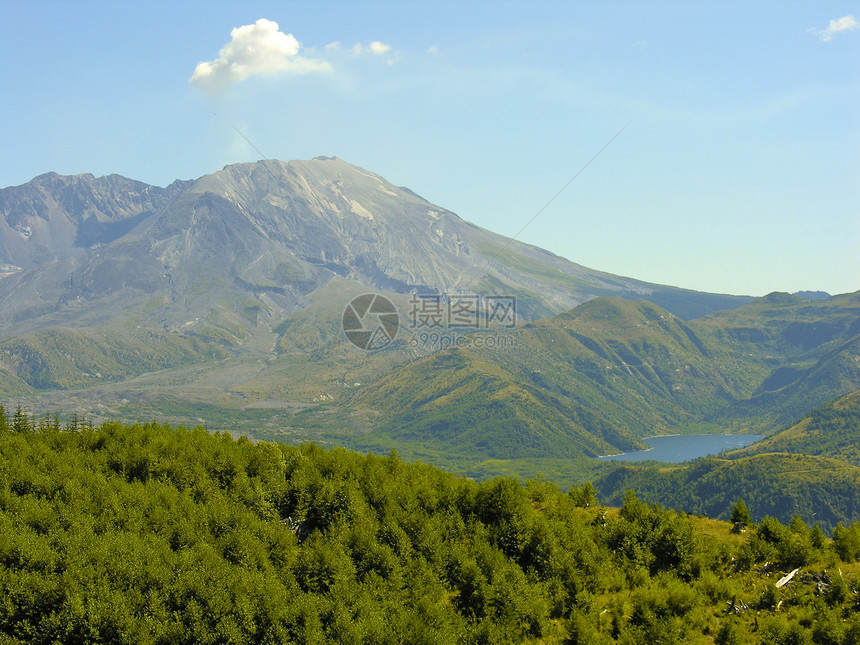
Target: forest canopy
x: 152, y: 534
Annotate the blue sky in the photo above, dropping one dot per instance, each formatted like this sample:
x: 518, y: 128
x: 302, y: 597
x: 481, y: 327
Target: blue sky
x: 739, y: 171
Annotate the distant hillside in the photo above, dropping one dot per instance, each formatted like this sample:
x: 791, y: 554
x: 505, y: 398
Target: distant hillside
x: 820, y: 490
x: 811, y: 348
x: 832, y: 430
x: 812, y: 295
x: 811, y: 469
x: 453, y: 401
x: 73, y: 358
x: 582, y: 383
x: 596, y: 379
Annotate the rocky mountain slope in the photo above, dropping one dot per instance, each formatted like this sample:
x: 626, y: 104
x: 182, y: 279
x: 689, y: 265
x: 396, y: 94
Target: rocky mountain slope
x: 248, y: 244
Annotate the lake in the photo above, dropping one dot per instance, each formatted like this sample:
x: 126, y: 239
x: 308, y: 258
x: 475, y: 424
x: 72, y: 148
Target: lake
x: 684, y: 447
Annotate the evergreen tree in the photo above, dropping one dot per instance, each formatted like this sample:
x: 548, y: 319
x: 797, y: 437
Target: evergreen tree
x: 740, y: 513
x: 583, y: 497
x: 20, y: 422
x: 817, y: 537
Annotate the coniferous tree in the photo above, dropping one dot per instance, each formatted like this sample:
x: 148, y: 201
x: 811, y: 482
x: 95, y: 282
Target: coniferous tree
x: 20, y: 422
x: 740, y: 513
x: 583, y: 497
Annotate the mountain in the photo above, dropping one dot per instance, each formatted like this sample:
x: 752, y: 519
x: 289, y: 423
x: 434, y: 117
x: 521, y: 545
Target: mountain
x: 248, y: 244
x: 55, y: 217
x: 598, y: 378
x: 105, y: 280
x: 220, y: 301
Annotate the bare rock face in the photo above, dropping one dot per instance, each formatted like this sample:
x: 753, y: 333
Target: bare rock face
x: 78, y: 250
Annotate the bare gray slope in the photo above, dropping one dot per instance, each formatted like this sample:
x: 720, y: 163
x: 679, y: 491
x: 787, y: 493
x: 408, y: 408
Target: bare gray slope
x: 250, y: 242
x: 53, y: 217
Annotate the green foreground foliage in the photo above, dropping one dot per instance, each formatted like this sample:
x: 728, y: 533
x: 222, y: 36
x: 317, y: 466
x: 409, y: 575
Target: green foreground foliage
x: 147, y: 534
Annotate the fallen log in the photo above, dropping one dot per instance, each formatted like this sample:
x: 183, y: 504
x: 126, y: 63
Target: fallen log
x: 786, y: 579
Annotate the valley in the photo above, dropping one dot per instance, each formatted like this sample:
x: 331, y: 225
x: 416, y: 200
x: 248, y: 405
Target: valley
x: 218, y: 302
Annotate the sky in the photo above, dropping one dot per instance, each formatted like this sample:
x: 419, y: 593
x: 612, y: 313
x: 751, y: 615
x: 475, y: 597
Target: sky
x: 737, y: 170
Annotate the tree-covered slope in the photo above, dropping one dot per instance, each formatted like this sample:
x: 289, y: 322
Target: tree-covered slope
x: 145, y: 534
x: 70, y: 358
x: 820, y: 490
x: 456, y: 401
x: 831, y: 430
x: 582, y: 383
x: 783, y: 325
x: 810, y: 347
x: 810, y: 468
x: 589, y: 380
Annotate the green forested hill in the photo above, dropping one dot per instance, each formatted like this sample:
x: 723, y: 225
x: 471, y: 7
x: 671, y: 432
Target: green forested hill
x: 453, y: 400
x: 582, y: 383
x: 832, y: 430
x: 811, y: 348
x: 597, y: 378
x: 146, y: 534
x: 820, y: 490
x: 72, y: 358
x: 811, y: 468
x: 781, y: 324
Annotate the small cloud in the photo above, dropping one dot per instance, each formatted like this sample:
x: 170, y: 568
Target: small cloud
x: 845, y: 23
x: 333, y: 47
x: 258, y: 49
x: 378, y: 48
x: 640, y: 44
x: 433, y: 50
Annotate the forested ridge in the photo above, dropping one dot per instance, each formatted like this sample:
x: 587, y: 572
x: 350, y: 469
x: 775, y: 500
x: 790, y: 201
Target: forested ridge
x: 149, y: 534
x: 831, y: 430
x: 809, y: 468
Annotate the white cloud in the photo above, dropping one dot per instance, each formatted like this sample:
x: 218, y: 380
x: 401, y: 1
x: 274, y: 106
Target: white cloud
x: 377, y: 47
x: 255, y: 49
x: 845, y: 23
x: 433, y: 50
x: 333, y: 47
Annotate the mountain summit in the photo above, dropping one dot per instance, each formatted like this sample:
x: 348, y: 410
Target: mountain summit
x: 76, y: 249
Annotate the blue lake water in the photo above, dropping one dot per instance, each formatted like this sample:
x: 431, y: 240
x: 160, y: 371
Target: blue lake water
x: 683, y: 447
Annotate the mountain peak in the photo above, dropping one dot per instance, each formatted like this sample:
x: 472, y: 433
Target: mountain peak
x: 261, y: 236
